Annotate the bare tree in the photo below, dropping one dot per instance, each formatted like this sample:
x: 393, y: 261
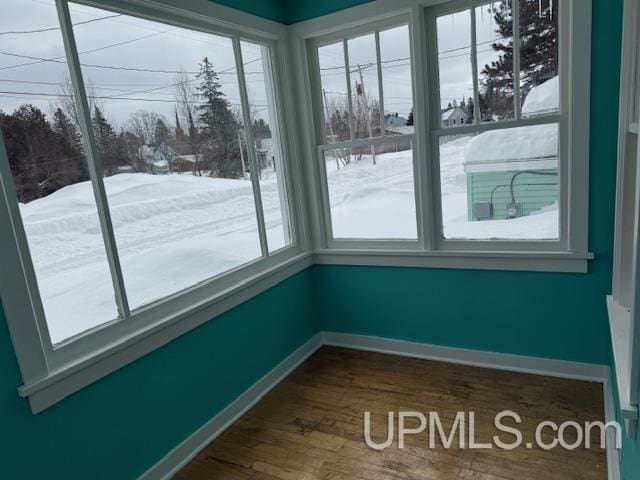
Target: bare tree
x: 66, y: 100
x: 142, y: 123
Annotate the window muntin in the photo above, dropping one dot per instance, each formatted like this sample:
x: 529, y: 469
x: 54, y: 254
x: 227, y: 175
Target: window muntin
x: 370, y: 192
x: 266, y: 144
x: 131, y: 97
x: 39, y: 124
x: 485, y: 160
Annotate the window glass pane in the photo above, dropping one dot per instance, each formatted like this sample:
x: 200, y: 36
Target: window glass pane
x: 501, y: 184
x: 395, y: 60
x: 539, y: 57
x: 454, y: 65
x: 166, y: 114
x: 372, y: 200
x: 365, y: 94
x: 335, y: 97
x: 267, y: 146
x: 38, y: 119
x: 494, y: 52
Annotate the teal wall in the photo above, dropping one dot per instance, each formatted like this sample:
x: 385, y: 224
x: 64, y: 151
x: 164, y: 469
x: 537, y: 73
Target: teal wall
x: 121, y: 425
x: 543, y: 314
x: 299, y: 10
x: 269, y: 9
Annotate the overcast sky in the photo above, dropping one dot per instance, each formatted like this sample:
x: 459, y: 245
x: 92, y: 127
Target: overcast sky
x: 131, y: 59
x: 135, y: 60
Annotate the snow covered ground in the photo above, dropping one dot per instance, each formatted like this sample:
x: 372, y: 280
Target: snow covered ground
x: 174, y: 231
x: 377, y: 201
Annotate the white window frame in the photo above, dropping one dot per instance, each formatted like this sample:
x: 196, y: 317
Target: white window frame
x: 343, y: 37
x: 623, y: 304
x: 570, y: 253
x: 52, y: 372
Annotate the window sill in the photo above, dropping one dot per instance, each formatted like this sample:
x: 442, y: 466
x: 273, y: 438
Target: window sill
x: 477, y: 260
x: 62, y: 382
x: 620, y: 325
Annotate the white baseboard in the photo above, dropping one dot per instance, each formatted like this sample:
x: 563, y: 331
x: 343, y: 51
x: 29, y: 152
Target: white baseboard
x: 500, y: 361
x: 613, y: 454
x: 189, y: 448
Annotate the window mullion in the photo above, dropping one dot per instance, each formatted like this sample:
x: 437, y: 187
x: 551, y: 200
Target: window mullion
x: 253, y: 163
x: 347, y: 70
x: 93, y: 158
x: 474, y: 68
x: 380, y: 86
x: 515, y: 16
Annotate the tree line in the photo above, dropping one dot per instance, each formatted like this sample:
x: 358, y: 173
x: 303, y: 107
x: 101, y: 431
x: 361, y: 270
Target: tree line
x: 46, y: 152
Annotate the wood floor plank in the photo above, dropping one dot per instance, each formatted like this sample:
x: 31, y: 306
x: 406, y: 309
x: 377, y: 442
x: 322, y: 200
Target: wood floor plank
x: 311, y: 426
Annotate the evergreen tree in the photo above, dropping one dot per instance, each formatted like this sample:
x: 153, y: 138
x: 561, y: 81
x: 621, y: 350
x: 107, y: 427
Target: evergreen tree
x: 109, y: 147
x: 219, y: 126
x: 70, y: 147
x: 410, y: 119
x: 42, y: 159
x: 538, y: 53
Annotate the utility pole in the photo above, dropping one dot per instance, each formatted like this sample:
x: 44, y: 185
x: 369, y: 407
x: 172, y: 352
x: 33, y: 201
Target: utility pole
x: 366, y: 111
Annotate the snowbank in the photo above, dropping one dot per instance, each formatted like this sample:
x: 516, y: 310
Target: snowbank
x: 172, y: 232
x: 512, y: 147
x: 543, y: 98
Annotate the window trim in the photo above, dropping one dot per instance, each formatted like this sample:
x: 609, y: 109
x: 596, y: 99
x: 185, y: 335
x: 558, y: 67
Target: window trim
x: 343, y: 36
x: 437, y: 130
x: 570, y: 254
x: 623, y: 303
x: 53, y: 372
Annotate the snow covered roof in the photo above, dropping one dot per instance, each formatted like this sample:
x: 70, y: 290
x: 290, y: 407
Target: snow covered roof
x: 521, y: 148
x: 543, y: 98
x: 186, y: 158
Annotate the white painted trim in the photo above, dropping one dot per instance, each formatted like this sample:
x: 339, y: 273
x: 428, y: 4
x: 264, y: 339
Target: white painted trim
x: 193, y: 444
x: 62, y: 382
x: 574, y: 68
x: 499, y: 361
x: 613, y: 455
x: 467, y: 260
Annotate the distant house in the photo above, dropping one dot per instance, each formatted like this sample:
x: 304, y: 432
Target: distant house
x: 394, y: 120
x: 454, y: 116
x: 183, y: 163
x: 156, y: 157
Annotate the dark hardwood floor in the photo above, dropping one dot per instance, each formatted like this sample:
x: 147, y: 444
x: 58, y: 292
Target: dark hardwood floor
x: 311, y: 425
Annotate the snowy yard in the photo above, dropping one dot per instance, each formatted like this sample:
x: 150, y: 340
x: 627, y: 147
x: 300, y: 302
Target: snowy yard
x: 174, y: 231
x: 377, y: 201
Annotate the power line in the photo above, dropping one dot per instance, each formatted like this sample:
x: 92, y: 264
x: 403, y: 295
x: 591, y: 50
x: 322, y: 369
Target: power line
x: 107, y: 97
x: 23, y: 32
x: 43, y: 60
x: 111, y: 67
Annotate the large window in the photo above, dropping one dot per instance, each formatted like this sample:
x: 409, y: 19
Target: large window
x: 366, y: 152
x: 488, y: 142
x: 498, y: 105
x: 143, y: 167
